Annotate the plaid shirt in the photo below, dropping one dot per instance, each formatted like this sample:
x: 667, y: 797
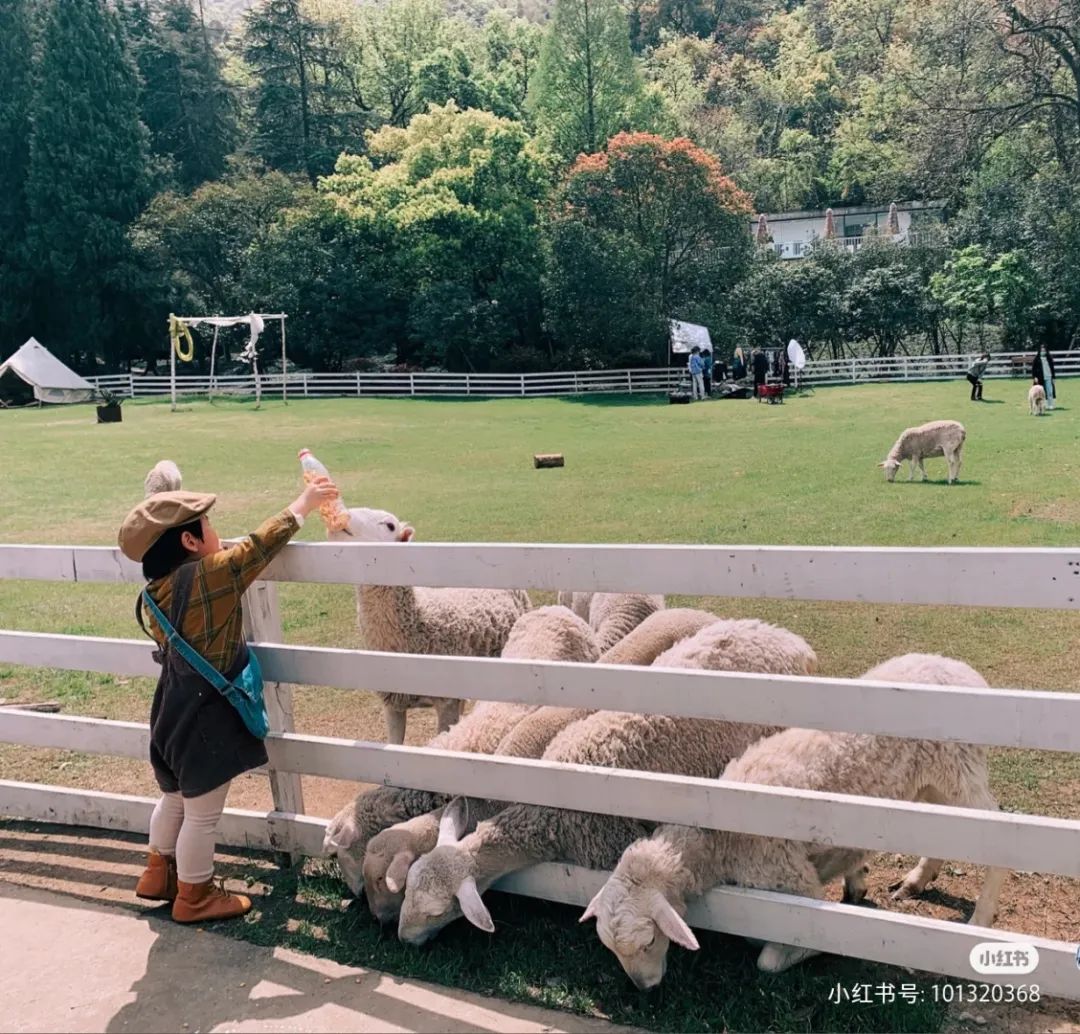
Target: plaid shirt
x: 213, y: 623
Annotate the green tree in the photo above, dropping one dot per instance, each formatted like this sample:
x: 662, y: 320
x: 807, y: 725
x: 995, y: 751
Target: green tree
x: 587, y: 83
x: 16, y: 93
x: 647, y: 231
x: 186, y: 104
x: 87, y: 181
x: 308, y: 105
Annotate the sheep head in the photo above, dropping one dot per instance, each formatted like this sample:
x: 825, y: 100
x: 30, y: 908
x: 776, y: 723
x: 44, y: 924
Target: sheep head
x: 345, y: 842
x: 638, y: 923
x: 891, y: 467
x: 367, y: 525
x: 442, y: 885
x: 164, y: 476
x: 386, y: 865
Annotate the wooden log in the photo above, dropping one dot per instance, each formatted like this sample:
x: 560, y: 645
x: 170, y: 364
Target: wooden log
x: 44, y: 706
x: 548, y: 459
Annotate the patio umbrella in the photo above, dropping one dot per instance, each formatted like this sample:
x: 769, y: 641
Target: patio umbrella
x: 894, y: 220
x: 830, y: 225
x: 762, y: 230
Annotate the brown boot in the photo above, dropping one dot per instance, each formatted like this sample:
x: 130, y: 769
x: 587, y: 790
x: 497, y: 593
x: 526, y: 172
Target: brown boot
x: 158, y: 881
x: 197, y: 902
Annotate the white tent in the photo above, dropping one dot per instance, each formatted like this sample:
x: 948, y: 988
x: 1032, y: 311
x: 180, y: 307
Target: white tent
x: 51, y: 380
x: 685, y: 335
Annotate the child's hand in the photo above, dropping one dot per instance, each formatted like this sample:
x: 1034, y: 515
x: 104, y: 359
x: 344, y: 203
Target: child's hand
x: 316, y: 493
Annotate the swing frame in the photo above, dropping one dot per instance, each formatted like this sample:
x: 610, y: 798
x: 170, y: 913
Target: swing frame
x: 190, y: 321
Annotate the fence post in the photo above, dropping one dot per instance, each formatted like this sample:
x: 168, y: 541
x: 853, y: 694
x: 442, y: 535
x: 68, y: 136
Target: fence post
x: 262, y: 623
x: 131, y: 385
x: 412, y: 384
x: 629, y: 383
x: 305, y: 386
x: 853, y: 370
x: 522, y: 383
x: 357, y: 383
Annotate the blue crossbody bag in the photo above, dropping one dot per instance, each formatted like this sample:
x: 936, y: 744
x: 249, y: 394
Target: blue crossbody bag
x: 245, y: 692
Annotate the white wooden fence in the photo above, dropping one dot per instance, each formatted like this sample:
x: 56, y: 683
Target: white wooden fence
x: 1032, y: 578
x: 582, y: 382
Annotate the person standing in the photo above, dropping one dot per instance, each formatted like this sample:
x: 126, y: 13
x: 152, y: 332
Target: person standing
x: 1042, y: 372
x: 707, y: 368
x: 697, y: 371
x: 759, y: 366
x: 738, y: 365
x: 974, y: 375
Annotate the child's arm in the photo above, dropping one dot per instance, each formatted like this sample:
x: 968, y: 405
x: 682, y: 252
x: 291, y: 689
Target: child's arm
x: 239, y: 565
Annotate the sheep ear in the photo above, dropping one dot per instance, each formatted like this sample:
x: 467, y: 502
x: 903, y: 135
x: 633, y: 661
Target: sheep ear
x: 472, y: 906
x: 398, y: 871
x: 453, y: 822
x: 881, y: 464
x: 592, y: 907
x: 672, y: 925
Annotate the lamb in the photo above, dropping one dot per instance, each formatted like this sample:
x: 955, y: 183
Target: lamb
x: 613, y: 615
x: 549, y: 633
x: 657, y: 633
x: 640, y: 908
x: 390, y: 853
x: 448, y: 881
x: 164, y: 476
x: 1037, y: 400
x: 937, y: 438
x: 404, y: 619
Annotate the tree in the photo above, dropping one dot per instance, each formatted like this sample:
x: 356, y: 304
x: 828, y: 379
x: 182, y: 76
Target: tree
x: 647, y: 231
x: 87, y: 181
x: 587, y: 82
x: 188, y: 108
x: 16, y: 93
x: 308, y: 104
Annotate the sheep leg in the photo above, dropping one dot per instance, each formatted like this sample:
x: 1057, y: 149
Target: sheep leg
x: 916, y: 881
x: 395, y: 723
x: 987, y: 902
x: 911, y: 470
x: 774, y: 957
x: 922, y: 470
x: 447, y: 712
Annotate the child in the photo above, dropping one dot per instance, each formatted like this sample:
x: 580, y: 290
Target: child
x: 198, y: 741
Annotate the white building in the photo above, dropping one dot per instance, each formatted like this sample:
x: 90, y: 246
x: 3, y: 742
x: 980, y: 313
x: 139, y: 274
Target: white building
x: 791, y: 234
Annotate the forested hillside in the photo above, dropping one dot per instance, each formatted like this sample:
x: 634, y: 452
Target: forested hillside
x: 502, y: 184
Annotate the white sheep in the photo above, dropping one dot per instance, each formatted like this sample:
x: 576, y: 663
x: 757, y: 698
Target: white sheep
x: 613, y: 615
x: 390, y: 853
x: 448, y: 881
x: 640, y: 908
x: 405, y: 619
x: 164, y: 476
x: 548, y: 633
x: 1037, y: 400
x: 937, y: 438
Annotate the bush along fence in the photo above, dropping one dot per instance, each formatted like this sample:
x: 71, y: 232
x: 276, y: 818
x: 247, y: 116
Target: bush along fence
x: 1030, y: 578
x: 509, y: 385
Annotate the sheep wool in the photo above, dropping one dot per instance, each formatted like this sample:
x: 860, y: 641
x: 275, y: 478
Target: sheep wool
x: 521, y: 835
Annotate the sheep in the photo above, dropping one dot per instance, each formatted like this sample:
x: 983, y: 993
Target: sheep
x: 404, y: 619
x: 613, y: 615
x: 164, y: 476
x: 1037, y: 400
x: 448, y: 881
x: 639, y: 909
x: 548, y: 633
x: 390, y: 853
x: 657, y: 633
x: 937, y: 438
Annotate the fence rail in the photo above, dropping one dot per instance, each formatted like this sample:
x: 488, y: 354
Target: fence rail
x: 1004, y: 717
x: 582, y: 382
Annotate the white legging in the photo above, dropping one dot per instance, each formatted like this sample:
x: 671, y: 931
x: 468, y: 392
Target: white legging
x: 186, y: 827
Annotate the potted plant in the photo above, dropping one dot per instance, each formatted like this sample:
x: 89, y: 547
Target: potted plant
x: 109, y: 411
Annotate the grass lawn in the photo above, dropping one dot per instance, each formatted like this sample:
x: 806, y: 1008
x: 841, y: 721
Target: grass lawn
x: 637, y: 470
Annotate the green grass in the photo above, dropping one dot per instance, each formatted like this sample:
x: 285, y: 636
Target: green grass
x: 637, y: 470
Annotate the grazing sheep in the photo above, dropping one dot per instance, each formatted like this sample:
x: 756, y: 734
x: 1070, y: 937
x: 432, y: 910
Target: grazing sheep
x: 529, y: 738
x: 164, y: 476
x: 405, y: 619
x: 937, y: 438
x: 1037, y: 400
x: 613, y: 615
x: 640, y: 908
x: 548, y: 633
x: 448, y: 881
x: 657, y: 633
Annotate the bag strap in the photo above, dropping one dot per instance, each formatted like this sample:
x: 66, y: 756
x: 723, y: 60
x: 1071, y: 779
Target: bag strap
x: 182, y: 647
